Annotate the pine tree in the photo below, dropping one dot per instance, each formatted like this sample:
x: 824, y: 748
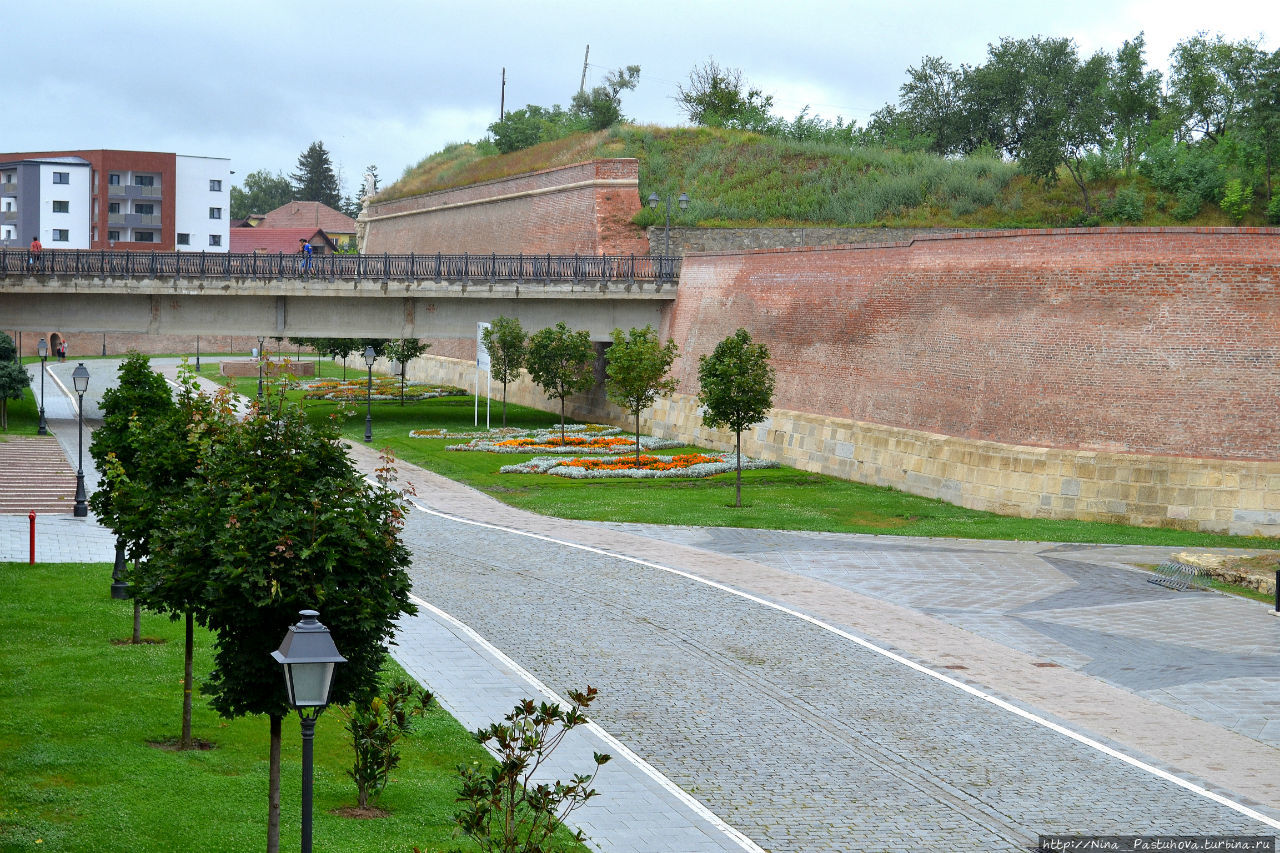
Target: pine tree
x: 315, y: 179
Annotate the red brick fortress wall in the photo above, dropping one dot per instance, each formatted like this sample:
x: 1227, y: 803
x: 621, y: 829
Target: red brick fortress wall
x: 585, y: 208
x: 1160, y: 341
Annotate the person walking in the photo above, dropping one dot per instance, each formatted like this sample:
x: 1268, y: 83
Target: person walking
x: 35, y: 252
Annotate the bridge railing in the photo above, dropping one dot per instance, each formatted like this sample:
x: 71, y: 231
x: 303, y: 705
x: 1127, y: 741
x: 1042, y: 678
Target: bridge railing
x: 386, y: 267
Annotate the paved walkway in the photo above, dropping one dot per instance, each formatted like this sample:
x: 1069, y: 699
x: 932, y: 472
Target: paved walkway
x: 826, y: 692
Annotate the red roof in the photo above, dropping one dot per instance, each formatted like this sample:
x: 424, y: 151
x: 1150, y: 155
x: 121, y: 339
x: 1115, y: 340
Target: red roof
x: 309, y: 214
x: 272, y: 240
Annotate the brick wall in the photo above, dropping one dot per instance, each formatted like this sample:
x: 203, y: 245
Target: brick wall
x: 686, y: 240
x: 585, y: 208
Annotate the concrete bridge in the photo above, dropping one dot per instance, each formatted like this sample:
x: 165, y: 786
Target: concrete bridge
x: 441, y: 296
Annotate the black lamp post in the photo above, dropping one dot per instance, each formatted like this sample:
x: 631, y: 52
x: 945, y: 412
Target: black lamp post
x: 260, y: 343
x: 369, y: 358
x: 197, y: 353
x: 683, y: 201
x: 43, y: 349
x: 80, y: 378
x: 120, y: 588
x: 308, y: 656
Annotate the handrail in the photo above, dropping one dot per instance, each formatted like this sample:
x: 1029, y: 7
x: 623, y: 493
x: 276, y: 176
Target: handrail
x: 485, y: 268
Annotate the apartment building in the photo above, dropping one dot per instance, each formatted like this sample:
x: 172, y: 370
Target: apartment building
x: 111, y: 199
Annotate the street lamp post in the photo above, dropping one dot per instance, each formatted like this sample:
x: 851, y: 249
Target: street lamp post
x: 260, y: 343
x: 308, y: 656
x: 197, y: 353
x: 369, y: 358
x: 80, y: 378
x: 683, y: 201
x: 43, y: 349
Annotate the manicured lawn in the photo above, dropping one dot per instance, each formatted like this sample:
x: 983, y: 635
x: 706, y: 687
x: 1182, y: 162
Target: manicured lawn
x: 24, y: 414
x: 778, y: 498
x: 79, y: 773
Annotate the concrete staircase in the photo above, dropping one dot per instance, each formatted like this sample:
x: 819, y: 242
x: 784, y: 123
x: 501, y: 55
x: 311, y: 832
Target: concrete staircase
x: 35, y: 475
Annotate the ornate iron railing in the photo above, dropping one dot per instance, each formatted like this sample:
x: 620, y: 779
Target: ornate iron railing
x: 413, y: 267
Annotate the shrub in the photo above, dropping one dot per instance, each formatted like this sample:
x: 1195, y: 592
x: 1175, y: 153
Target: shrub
x: 1237, y: 200
x: 1273, y: 210
x: 1127, y: 205
x: 376, y: 728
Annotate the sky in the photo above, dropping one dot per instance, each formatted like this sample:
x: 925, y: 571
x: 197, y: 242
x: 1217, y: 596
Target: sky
x: 388, y: 82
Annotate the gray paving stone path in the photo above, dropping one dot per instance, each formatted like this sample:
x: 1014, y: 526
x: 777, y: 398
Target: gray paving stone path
x: 790, y: 681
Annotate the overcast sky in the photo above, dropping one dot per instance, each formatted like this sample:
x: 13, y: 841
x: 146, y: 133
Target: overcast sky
x: 388, y: 82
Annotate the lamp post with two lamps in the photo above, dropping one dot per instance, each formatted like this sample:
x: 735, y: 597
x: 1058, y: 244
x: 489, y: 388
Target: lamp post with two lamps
x: 80, y: 378
x: 308, y: 656
x: 369, y: 358
x: 683, y: 201
x: 43, y: 348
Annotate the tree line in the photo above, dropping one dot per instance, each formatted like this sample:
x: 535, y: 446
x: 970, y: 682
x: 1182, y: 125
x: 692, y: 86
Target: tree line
x: 314, y: 180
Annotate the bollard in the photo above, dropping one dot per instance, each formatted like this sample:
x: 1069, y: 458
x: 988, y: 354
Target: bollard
x: 31, y: 517
x: 1277, y: 588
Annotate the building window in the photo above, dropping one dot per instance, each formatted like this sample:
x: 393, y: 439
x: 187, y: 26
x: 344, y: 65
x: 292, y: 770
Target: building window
x: 144, y: 236
x: 215, y: 239
x: 62, y: 207
x: 95, y: 235
x: 61, y: 235
x: 113, y: 207
x: 215, y: 186
x: 113, y: 179
x: 62, y: 177
x: 144, y: 180
x: 184, y: 239
x: 215, y: 213
x: 144, y: 209
x: 113, y: 236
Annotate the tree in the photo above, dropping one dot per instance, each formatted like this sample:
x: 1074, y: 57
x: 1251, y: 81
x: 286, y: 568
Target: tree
x: 530, y: 125
x: 719, y: 97
x: 14, y: 378
x: 315, y: 179
x: 376, y: 728
x: 404, y: 351
x: 931, y: 103
x: 736, y: 391
x: 263, y: 192
x: 1206, y: 82
x: 637, y: 366
x: 277, y: 520
x: 506, y: 342
x: 602, y: 106
x: 561, y: 362
x: 1133, y: 97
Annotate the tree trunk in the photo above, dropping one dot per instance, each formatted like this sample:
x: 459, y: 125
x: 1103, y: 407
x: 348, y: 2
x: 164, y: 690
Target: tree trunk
x: 1077, y: 175
x: 186, y: 682
x: 4, y: 413
x: 637, y: 438
x: 273, y: 788
x: 738, y: 488
x: 562, y: 421
x: 137, y: 622
x: 504, y: 405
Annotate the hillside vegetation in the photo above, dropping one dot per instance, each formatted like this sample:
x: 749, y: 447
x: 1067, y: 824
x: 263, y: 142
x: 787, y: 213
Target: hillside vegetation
x: 740, y: 178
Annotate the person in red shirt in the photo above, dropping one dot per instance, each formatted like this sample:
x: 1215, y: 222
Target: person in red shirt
x: 33, y: 253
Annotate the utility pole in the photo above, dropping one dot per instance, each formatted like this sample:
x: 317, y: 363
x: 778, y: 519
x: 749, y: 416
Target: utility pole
x: 582, y: 84
x: 502, y: 100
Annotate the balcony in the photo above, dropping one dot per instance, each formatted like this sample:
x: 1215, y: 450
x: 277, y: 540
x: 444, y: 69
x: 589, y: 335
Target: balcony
x: 133, y: 220
x: 9, y: 215
x: 131, y: 191
x: 10, y: 188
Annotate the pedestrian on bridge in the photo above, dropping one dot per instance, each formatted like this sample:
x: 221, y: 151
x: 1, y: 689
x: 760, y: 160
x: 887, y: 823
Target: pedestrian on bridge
x: 304, y: 265
x: 34, y: 253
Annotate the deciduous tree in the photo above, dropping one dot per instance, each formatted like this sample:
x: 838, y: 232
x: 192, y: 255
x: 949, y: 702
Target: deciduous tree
x: 506, y: 342
x: 736, y: 389
x: 561, y: 362
x: 637, y: 366
x: 404, y: 351
x: 14, y: 378
x: 719, y: 97
x: 263, y: 192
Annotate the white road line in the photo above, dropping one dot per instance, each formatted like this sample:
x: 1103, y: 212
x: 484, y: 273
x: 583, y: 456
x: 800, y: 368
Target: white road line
x: 622, y: 751
x: 946, y: 679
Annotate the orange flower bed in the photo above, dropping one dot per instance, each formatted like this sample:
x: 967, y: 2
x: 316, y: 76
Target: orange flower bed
x: 597, y: 443
x: 647, y: 463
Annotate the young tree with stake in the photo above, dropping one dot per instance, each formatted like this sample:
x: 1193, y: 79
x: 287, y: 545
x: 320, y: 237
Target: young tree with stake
x: 637, y: 366
x: 737, y: 389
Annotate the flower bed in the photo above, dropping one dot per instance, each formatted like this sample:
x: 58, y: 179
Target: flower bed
x: 356, y: 390
x: 680, y: 465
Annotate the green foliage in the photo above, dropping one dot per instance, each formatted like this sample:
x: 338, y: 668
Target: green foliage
x: 376, y: 729
x: 263, y: 192
x: 1127, y: 205
x: 1237, y: 200
x: 719, y: 97
x: 14, y: 378
x: 526, y: 127
x: 1273, y: 210
x: 315, y: 180
x: 1190, y: 173
x: 404, y: 351
x: 637, y: 366
x: 561, y: 362
x: 504, y: 810
x: 736, y: 391
x: 602, y: 106
x: 506, y: 342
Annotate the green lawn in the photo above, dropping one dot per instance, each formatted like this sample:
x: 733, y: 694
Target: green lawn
x: 778, y: 498
x: 24, y: 414
x: 79, y: 773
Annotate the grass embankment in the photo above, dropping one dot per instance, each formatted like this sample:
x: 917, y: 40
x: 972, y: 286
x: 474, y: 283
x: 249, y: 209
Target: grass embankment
x: 778, y: 498
x: 83, y: 709
x: 736, y: 178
